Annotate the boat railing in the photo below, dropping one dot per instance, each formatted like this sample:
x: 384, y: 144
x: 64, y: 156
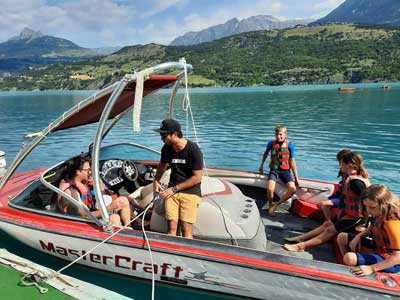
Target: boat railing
x: 101, y: 129
x: 128, y: 78
x: 78, y: 204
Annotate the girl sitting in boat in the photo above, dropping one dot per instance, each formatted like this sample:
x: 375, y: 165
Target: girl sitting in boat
x: 349, y: 217
x: 382, y: 235
x: 77, y: 174
x: 335, y: 199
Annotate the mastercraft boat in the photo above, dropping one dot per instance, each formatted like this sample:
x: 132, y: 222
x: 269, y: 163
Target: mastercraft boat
x: 237, y: 247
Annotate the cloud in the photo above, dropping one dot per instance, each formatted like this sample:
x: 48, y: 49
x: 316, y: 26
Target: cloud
x: 96, y: 23
x: 158, y: 6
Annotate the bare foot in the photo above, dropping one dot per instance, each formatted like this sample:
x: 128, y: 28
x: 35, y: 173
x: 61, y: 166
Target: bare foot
x: 293, y: 239
x: 271, y: 211
x: 295, y: 248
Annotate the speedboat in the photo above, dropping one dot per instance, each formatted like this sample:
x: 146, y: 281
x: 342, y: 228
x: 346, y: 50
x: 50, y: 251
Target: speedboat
x: 237, y: 247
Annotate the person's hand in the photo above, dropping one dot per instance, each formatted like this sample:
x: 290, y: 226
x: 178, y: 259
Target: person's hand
x: 157, y: 186
x: 297, y: 182
x: 362, y: 270
x: 114, y: 205
x: 354, y: 245
x: 167, y: 193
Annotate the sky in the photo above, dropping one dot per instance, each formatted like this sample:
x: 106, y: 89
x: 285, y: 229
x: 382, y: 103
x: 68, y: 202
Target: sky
x: 102, y: 23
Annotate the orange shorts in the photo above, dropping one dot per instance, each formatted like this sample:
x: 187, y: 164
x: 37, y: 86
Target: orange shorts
x: 182, y: 207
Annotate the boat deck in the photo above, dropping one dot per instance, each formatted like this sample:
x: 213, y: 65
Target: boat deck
x: 286, y: 224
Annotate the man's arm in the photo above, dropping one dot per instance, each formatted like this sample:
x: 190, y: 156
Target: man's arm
x: 188, y: 183
x: 159, y: 173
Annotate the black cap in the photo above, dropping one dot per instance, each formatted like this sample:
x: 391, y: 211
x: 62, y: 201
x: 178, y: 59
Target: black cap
x: 169, y: 126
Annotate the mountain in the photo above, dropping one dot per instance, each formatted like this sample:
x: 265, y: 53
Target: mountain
x: 234, y: 26
x: 105, y: 50
x: 380, y: 12
x: 334, y: 53
x: 31, y: 48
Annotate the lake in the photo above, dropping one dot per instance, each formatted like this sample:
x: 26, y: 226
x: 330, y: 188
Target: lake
x: 233, y: 126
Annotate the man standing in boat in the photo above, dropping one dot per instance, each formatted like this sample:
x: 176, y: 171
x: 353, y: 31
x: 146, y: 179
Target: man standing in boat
x: 183, y: 194
x: 282, y: 161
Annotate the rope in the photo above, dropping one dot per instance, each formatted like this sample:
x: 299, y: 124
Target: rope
x: 188, y: 109
x: 33, y: 279
x: 101, y: 243
x: 153, y: 280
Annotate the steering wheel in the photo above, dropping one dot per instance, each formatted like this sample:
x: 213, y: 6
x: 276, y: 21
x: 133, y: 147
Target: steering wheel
x: 130, y: 170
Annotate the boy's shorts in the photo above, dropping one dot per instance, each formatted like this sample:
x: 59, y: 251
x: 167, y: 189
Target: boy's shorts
x: 370, y: 258
x: 182, y: 207
x: 335, y: 200
x: 285, y: 175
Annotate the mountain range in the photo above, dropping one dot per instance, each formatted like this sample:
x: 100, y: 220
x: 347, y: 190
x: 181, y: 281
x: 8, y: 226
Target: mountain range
x: 31, y: 48
x: 234, y: 26
x: 377, y: 12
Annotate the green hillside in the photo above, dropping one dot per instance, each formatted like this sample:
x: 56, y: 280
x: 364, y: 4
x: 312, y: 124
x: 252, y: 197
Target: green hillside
x: 302, y: 55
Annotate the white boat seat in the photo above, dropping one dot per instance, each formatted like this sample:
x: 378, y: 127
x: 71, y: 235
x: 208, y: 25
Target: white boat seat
x: 142, y: 196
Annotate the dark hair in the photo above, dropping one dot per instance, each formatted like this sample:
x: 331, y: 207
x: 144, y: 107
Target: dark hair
x: 354, y: 159
x: 74, y: 164
x: 339, y: 155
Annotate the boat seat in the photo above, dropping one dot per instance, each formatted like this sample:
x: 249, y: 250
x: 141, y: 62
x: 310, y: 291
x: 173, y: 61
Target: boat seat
x: 142, y: 196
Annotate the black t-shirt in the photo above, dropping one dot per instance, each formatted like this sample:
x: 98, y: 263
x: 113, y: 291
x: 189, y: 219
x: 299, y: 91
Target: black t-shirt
x: 182, y: 164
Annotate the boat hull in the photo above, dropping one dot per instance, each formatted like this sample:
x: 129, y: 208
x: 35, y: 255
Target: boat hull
x: 240, y: 277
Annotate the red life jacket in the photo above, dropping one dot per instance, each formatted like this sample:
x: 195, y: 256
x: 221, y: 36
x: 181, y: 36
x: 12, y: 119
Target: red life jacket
x: 86, y: 197
x: 352, y: 202
x: 280, y: 156
x: 380, y: 237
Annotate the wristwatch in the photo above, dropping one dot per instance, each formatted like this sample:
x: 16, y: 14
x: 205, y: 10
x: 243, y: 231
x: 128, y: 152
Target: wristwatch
x: 175, y: 189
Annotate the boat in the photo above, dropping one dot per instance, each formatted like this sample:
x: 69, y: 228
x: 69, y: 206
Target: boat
x: 24, y: 279
x: 346, y: 89
x: 386, y: 87
x: 237, y: 249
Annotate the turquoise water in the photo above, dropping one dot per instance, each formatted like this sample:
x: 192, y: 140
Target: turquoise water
x: 233, y: 126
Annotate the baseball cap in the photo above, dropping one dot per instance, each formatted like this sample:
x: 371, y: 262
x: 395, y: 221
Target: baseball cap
x: 168, y: 126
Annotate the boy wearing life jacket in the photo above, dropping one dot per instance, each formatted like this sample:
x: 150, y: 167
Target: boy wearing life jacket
x: 282, y: 161
x: 382, y: 237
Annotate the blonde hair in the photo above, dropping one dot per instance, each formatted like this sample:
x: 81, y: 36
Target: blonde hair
x: 388, y: 203
x: 280, y: 127
x: 354, y: 159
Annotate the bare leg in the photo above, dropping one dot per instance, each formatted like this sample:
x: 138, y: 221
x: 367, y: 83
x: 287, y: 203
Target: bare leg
x: 270, y: 191
x: 307, y: 235
x: 172, y: 227
x: 320, y: 239
x: 325, y: 206
x: 343, y: 243
x: 115, y: 219
x: 125, y: 210
x: 290, y: 192
x: 350, y: 259
x: 187, y: 229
